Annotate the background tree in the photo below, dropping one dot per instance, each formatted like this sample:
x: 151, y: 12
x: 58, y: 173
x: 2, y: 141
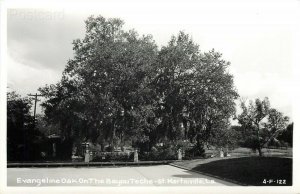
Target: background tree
x: 275, y: 126
x: 287, y: 135
x: 240, y: 135
x: 263, y: 121
x: 225, y: 138
x: 22, y: 138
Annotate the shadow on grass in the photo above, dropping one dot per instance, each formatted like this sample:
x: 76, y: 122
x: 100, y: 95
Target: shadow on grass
x: 257, y: 171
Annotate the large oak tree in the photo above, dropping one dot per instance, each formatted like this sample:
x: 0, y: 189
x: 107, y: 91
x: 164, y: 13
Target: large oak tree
x: 120, y: 86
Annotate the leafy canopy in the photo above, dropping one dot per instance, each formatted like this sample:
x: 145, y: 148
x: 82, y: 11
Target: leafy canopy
x: 121, y: 87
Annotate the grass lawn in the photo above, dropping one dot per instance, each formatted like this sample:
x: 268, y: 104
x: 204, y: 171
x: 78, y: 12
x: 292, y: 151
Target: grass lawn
x: 252, y: 170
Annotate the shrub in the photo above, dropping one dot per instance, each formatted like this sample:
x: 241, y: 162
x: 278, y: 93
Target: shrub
x: 194, y: 152
x: 252, y: 143
x: 165, y: 152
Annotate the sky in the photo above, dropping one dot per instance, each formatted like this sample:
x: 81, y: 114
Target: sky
x: 256, y: 37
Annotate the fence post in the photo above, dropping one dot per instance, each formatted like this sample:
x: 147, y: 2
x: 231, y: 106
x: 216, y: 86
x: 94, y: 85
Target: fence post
x: 221, y: 153
x: 136, y: 156
x: 179, y: 154
x: 87, y: 153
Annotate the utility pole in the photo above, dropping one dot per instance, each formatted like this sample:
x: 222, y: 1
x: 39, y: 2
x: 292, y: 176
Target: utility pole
x: 35, y: 102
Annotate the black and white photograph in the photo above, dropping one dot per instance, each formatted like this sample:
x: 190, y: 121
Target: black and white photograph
x: 182, y: 96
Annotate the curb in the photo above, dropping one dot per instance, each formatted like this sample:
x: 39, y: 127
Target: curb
x: 88, y: 164
x: 211, y: 175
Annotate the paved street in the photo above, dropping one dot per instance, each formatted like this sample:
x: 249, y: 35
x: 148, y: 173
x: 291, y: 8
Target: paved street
x: 160, y: 175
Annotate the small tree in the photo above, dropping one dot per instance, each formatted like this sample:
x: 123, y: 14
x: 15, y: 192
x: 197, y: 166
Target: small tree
x: 265, y: 122
x: 276, y: 124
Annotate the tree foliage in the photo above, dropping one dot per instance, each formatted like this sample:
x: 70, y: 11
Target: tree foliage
x: 263, y: 122
x: 21, y: 135
x: 121, y: 87
x: 195, y: 91
x: 287, y: 135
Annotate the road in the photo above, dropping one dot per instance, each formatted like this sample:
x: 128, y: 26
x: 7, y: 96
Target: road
x: 159, y: 175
